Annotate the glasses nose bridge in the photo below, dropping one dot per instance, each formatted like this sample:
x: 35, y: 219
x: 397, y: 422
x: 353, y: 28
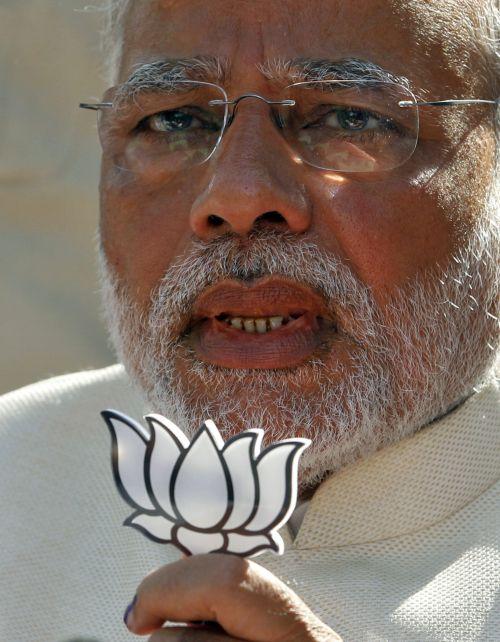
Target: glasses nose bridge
x: 236, y: 101
x: 233, y: 105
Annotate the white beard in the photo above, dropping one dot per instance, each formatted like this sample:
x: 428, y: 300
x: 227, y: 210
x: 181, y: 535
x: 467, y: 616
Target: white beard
x: 431, y: 346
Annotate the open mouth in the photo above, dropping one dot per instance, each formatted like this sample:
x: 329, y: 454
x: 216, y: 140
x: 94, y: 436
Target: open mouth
x: 273, y: 323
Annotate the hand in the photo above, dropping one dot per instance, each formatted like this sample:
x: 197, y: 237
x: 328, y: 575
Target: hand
x: 248, y: 602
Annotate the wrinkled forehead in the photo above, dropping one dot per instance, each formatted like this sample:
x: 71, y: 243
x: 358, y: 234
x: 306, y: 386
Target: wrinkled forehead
x: 432, y: 42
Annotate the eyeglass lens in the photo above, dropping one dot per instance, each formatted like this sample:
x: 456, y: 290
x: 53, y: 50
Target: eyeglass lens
x: 351, y: 127
x: 165, y: 131
x: 339, y: 126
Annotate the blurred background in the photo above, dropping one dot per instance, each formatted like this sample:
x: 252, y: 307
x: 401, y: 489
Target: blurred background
x: 49, y: 157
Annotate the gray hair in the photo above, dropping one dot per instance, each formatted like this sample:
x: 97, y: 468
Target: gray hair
x: 489, y: 35
x: 489, y: 26
x: 112, y: 35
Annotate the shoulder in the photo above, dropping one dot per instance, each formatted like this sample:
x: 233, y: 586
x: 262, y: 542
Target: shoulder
x: 67, y: 384
x: 54, y: 442
x: 66, y: 402
x: 60, y: 511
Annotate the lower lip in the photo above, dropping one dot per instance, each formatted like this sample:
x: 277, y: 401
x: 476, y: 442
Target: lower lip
x: 218, y: 343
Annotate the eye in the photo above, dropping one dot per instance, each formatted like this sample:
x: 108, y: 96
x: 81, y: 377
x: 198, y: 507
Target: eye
x: 175, y: 120
x: 353, y: 120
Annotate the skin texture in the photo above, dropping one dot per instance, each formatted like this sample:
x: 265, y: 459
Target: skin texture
x: 389, y: 227
x: 245, y: 599
x: 386, y: 235
x: 353, y: 217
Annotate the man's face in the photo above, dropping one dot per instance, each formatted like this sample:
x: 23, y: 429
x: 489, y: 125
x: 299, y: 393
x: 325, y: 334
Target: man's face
x: 353, y: 278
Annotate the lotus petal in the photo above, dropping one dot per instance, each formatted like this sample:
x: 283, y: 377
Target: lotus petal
x: 276, y: 469
x: 202, y: 486
x: 239, y: 454
x: 166, y: 446
x: 128, y: 450
x: 198, y: 543
x: 252, y: 544
x: 155, y: 527
x: 204, y: 496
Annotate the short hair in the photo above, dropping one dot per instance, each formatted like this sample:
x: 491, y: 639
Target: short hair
x: 112, y: 35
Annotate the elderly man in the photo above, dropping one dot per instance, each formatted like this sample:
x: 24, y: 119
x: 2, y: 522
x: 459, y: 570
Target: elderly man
x: 299, y: 232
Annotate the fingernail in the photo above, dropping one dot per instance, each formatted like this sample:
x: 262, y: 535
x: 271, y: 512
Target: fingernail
x: 128, y: 610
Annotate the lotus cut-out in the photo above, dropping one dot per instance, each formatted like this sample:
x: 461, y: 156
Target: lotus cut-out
x: 206, y: 495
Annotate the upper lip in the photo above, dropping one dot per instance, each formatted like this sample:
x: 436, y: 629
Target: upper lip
x: 266, y: 297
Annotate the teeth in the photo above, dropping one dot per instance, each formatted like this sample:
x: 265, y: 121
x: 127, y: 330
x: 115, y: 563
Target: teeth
x: 237, y: 323
x: 275, y: 322
x: 249, y: 325
x: 260, y: 325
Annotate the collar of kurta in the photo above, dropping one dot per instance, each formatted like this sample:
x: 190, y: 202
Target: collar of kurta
x: 412, y: 485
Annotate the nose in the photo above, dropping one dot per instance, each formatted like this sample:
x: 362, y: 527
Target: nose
x: 253, y: 181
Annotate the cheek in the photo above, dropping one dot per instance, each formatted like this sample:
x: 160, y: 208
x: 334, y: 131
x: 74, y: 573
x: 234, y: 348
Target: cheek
x: 387, y: 232
x: 143, y: 228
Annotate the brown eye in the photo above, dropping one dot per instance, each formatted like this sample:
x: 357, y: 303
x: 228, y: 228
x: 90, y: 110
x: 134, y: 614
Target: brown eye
x: 353, y: 120
x: 173, y: 121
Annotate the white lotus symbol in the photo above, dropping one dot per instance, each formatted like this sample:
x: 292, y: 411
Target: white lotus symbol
x: 207, y: 495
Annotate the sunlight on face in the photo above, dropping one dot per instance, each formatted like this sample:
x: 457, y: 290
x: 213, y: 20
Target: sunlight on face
x: 405, y: 261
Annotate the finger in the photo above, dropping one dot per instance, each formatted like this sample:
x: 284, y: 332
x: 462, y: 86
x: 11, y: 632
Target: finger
x: 184, y: 634
x: 248, y: 601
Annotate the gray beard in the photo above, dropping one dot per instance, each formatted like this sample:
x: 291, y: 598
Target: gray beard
x: 431, y: 346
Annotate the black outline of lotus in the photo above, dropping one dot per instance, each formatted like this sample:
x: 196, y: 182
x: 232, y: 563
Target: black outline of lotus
x: 157, y: 513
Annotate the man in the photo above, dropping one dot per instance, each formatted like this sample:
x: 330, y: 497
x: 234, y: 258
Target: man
x: 287, y: 241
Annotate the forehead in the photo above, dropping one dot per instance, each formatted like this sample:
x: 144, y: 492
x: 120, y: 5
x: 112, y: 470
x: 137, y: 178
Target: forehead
x: 431, y: 42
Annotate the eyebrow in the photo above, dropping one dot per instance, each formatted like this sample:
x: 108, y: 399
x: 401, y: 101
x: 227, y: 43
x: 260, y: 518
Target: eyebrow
x: 163, y: 75
x: 310, y: 69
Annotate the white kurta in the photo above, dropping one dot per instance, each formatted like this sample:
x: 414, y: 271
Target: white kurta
x: 403, y: 546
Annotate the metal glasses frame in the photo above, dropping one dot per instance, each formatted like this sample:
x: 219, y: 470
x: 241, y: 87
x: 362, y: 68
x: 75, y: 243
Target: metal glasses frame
x: 235, y: 102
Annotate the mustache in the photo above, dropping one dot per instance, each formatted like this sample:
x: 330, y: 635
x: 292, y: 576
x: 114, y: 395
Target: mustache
x: 262, y: 253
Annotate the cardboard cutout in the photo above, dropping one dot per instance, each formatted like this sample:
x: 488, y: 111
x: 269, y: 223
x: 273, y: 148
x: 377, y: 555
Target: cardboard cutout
x: 206, y: 495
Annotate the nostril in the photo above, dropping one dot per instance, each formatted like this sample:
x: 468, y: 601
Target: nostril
x: 271, y: 217
x: 215, y: 221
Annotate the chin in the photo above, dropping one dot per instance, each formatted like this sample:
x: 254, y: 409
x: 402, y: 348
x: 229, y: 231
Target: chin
x: 372, y: 375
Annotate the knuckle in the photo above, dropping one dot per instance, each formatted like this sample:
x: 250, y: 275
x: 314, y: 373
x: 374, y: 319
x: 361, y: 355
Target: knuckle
x: 234, y: 572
